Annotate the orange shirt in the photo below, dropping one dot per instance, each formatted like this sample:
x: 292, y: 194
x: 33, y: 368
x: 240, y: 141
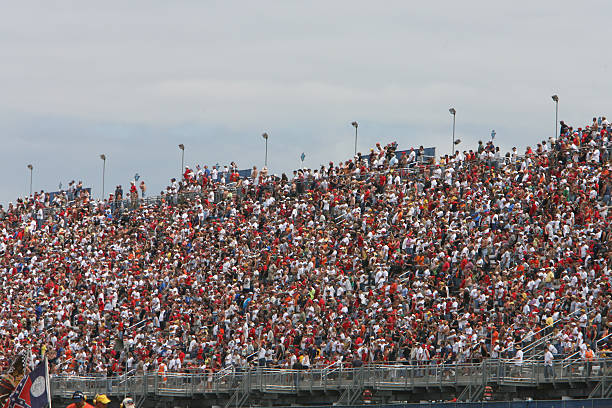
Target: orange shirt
x: 588, y: 355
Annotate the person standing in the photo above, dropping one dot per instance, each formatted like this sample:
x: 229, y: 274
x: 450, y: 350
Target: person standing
x: 588, y: 357
x: 518, y: 359
x: 143, y: 188
x: 548, y: 364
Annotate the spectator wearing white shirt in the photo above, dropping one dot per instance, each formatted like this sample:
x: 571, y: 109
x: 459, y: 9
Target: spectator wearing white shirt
x: 548, y: 364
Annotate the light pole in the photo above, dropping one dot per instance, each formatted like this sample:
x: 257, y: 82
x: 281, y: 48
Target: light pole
x: 556, y: 99
x: 31, y: 170
x: 454, y: 113
x: 182, y: 147
x: 355, y: 125
x: 265, y: 136
x: 103, y: 157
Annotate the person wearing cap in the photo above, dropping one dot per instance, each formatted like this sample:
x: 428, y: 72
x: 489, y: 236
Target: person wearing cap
x: 101, y: 401
x: 127, y: 403
x: 79, y: 401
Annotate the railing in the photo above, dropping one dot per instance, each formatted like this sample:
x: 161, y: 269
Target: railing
x: 532, y: 347
x: 380, y: 377
x: 574, y: 355
x: 528, y: 336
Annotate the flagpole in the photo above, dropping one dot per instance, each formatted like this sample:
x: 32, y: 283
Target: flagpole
x: 47, y: 380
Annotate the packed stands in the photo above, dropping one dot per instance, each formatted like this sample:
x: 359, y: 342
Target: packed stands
x: 378, y: 259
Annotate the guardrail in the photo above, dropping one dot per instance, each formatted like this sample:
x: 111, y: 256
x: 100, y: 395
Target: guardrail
x: 380, y: 377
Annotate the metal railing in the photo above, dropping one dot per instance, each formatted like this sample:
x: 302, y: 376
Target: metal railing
x: 373, y: 376
x: 574, y: 355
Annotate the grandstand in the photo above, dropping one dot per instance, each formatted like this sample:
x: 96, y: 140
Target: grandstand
x: 385, y: 278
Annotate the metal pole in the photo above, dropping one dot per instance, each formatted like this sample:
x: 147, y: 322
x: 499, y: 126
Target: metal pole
x: 355, y: 140
x: 103, y: 173
x: 454, y: 113
x: 453, y: 147
x: 266, y: 161
x: 556, y: 119
x: 31, y: 170
x: 182, y: 161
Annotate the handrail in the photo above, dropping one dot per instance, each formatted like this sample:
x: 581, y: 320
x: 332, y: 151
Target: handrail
x: 331, y: 365
x: 570, y: 357
x: 603, y: 338
x: 536, y: 344
x: 397, y: 378
x: 578, y: 352
x: 373, y: 366
x: 328, y: 371
x: 125, y: 376
x: 544, y: 328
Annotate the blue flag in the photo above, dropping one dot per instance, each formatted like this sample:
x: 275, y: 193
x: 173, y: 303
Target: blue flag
x: 33, y: 390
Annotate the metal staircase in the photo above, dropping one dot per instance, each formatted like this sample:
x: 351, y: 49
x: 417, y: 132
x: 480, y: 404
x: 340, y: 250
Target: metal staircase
x: 472, y: 393
x: 603, y: 389
x: 242, y: 393
x: 143, y: 397
x: 354, y: 390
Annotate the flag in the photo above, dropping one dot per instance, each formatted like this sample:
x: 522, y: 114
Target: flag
x: 33, y: 390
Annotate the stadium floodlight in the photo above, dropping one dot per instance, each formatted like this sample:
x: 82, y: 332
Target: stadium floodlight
x: 103, y: 157
x: 182, y: 147
x: 31, y: 168
x: 454, y: 113
x: 265, y: 136
x: 355, y: 125
x: 555, y: 98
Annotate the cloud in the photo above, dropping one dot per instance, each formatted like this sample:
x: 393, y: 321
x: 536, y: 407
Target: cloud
x: 135, y: 79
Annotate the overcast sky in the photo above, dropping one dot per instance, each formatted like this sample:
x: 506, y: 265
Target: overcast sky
x: 133, y: 79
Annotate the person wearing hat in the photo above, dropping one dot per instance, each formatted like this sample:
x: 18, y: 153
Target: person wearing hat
x: 101, y: 401
x: 79, y: 401
x: 127, y: 403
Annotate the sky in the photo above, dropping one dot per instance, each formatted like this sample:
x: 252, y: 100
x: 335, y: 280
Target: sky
x: 132, y: 80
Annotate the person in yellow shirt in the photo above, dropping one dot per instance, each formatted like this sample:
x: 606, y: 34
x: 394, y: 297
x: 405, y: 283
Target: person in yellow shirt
x: 549, y: 278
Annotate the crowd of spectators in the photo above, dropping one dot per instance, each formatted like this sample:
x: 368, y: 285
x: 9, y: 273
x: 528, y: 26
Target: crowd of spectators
x: 376, y: 259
